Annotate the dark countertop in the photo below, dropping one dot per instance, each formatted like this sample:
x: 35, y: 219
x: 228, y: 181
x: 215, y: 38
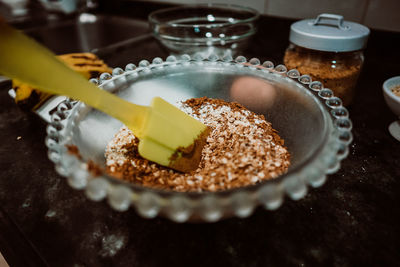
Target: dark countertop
x: 352, y: 220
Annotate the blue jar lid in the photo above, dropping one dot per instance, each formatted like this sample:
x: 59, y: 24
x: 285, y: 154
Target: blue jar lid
x: 329, y: 32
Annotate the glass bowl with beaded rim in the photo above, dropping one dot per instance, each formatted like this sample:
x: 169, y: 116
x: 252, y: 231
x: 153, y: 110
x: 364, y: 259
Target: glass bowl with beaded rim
x: 204, y: 28
x: 312, y: 121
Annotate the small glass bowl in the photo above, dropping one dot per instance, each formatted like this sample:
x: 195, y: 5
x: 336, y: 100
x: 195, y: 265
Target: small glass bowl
x: 205, y: 28
x: 312, y: 121
x: 393, y: 102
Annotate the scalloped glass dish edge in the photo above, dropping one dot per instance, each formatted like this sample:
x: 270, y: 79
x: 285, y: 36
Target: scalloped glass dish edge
x: 207, y: 206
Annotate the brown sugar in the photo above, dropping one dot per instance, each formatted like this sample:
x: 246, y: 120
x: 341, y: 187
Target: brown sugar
x: 74, y: 150
x: 396, y: 90
x: 337, y: 71
x: 242, y: 149
x: 187, y: 159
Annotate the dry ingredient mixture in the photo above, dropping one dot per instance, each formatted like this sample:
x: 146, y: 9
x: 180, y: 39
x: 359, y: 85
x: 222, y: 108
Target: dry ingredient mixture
x: 337, y: 71
x: 242, y: 149
x: 396, y: 90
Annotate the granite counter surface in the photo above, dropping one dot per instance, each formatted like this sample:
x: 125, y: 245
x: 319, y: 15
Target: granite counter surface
x: 352, y: 220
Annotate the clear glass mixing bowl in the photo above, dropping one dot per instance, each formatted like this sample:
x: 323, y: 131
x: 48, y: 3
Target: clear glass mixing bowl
x: 313, y: 122
x: 204, y: 28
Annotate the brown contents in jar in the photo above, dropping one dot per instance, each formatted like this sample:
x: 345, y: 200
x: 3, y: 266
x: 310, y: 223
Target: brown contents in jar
x: 337, y: 71
x: 396, y: 90
x: 242, y: 149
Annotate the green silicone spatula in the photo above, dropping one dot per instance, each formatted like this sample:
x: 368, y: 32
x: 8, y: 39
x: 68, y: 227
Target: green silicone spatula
x: 167, y: 135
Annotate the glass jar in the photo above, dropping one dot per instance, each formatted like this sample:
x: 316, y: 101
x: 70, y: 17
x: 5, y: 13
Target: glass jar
x: 330, y: 50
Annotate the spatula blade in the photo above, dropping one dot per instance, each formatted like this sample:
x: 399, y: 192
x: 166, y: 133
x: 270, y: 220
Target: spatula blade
x: 172, y: 138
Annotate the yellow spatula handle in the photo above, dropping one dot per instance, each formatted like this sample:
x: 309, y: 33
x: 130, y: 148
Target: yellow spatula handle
x: 24, y: 59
